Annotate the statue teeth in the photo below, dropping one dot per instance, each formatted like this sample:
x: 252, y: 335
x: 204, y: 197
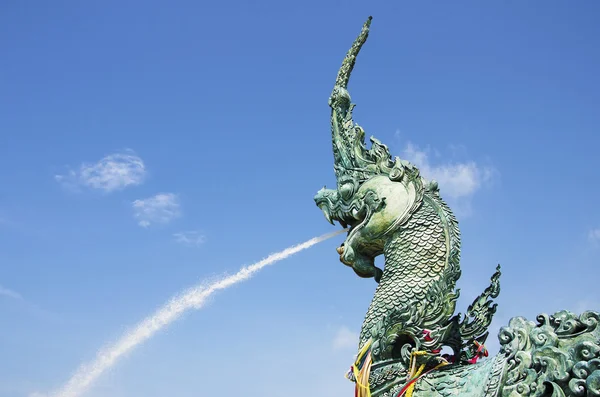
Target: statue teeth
x: 328, y: 216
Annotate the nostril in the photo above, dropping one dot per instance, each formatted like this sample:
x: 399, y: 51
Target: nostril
x: 340, y: 249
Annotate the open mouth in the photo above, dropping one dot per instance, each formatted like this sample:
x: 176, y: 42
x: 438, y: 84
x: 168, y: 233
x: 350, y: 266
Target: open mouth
x: 347, y: 219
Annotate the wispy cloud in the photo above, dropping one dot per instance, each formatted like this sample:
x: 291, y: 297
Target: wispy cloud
x: 594, y: 236
x: 458, y: 181
x: 191, y: 238
x: 10, y: 293
x: 27, y: 306
x: 162, y: 208
x: 345, y: 339
x: 113, y: 172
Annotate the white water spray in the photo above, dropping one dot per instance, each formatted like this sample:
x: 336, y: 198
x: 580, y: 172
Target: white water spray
x: 194, y: 298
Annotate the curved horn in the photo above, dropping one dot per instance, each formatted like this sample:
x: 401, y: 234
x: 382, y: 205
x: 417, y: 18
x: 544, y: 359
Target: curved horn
x: 346, y: 136
x: 343, y: 75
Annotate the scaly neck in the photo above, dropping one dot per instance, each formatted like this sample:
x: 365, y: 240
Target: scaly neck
x: 416, y: 256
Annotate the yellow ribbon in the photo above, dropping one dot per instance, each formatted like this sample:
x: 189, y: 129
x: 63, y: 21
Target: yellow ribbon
x: 362, y: 377
x: 412, y: 374
x: 410, y: 389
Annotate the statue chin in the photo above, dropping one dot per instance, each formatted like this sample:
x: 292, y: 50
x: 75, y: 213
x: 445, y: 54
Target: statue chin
x: 363, y: 265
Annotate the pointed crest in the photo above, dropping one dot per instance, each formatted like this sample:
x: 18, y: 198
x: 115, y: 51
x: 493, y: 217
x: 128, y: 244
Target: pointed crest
x: 352, y: 161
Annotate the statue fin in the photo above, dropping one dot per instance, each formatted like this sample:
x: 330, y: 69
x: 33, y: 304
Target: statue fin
x: 479, y: 314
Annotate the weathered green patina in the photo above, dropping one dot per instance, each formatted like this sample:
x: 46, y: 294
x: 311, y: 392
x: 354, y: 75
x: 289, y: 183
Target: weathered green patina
x: 392, y: 210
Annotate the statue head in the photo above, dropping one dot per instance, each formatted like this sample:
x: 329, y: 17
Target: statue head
x: 375, y: 194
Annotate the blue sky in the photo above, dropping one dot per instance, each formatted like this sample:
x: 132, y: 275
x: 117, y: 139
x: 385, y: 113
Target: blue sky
x: 145, y: 147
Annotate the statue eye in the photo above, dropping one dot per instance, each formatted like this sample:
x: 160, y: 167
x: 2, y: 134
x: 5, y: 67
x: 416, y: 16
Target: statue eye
x: 346, y: 190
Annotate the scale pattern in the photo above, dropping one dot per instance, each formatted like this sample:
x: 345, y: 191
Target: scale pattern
x: 414, y: 259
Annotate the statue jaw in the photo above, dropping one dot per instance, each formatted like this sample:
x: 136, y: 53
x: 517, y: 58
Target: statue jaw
x: 373, y: 213
x: 356, y: 214
x: 363, y: 265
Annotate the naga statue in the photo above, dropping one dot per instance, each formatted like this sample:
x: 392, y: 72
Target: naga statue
x: 391, y: 209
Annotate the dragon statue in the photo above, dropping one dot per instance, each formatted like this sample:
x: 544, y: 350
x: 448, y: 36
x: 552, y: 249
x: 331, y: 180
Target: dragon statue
x: 391, y: 209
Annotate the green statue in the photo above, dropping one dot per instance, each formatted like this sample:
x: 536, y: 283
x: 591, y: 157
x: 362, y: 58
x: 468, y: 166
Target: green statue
x: 392, y: 210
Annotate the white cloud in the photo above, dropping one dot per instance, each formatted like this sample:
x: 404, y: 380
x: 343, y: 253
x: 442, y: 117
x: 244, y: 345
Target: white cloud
x: 192, y: 238
x: 161, y: 208
x: 10, y: 293
x: 594, y: 235
x: 113, y: 172
x: 456, y: 180
x: 345, y: 339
